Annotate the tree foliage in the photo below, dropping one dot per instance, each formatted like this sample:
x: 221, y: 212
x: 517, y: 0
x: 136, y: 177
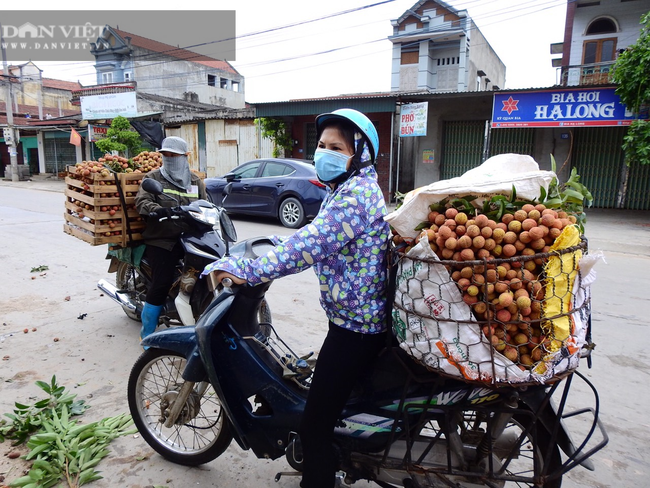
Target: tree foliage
x: 630, y: 73
x: 121, y: 137
x: 278, y: 132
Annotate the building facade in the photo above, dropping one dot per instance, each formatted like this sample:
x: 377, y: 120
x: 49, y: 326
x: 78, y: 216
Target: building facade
x: 164, y: 70
x: 595, y: 32
x: 439, y: 48
x: 43, y: 116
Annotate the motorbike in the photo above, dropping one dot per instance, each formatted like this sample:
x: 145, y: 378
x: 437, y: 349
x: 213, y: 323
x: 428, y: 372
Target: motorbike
x: 188, y: 297
x: 231, y: 376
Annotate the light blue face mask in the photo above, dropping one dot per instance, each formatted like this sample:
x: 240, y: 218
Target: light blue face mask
x: 330, y: 164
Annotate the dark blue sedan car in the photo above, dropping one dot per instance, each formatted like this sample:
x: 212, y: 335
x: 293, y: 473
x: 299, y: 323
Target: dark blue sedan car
x: 287, y: 189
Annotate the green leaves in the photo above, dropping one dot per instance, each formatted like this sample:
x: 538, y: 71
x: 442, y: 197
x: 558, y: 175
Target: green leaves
x: 499, y: 205
x: 636, y: 143
x: 277, y: 131
x: 630, y: 73
x: 120, y: 137
x: 58, y: 446
x: 571, y: 196
x: 26, y: 419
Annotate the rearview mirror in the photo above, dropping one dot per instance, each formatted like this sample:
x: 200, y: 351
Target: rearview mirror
x: 228, y: 232
x: 152, y: 186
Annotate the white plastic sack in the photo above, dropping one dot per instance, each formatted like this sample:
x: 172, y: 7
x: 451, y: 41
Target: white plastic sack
x: 496, y: 176
x: 436, y: 327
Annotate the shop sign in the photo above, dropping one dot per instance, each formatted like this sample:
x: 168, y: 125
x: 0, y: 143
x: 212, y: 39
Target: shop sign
x: 576, y: 107
x: 97, y: 132
x: 413, y: 119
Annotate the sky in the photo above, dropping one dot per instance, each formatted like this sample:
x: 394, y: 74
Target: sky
x: 291, y: 49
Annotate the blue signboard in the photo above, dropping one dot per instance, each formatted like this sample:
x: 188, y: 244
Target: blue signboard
x: 562, y: 107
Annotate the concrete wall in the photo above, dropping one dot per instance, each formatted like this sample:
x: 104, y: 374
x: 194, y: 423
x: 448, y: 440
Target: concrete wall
x: 412, y: 148
x: 625, y: 14
x: 30, y: 90
x: 447, y: 64
x: 414, y: 172
x: 483, y: 57
x: 175, y: 78
x: 28, y: 93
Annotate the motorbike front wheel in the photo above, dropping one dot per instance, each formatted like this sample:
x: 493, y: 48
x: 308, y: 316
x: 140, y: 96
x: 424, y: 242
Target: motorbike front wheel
x: 202, y: 431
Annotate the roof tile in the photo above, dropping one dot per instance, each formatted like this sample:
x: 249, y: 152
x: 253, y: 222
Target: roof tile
x: 177, y: 52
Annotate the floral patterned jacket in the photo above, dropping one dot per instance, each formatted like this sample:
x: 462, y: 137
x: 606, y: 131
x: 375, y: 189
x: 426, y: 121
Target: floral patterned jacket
x: 347, y: 243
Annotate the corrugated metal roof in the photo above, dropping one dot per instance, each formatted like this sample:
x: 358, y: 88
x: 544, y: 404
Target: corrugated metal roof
x: 364, y: 102
x: 373, y: 102
x: 217, y: 114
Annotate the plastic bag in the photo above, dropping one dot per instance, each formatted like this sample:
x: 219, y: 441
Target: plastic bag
x: 437, y: 328
x: 496, y: 176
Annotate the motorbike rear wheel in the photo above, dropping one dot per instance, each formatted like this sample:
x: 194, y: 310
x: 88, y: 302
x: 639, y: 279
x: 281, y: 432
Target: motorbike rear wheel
x: 530, y: 452
x: 127, y: 278
x: 201, y: 433
x: 534, y: 454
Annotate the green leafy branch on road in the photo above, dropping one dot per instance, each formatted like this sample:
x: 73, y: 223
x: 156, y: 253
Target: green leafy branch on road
x: 59, y: 447
x: 27, y: 419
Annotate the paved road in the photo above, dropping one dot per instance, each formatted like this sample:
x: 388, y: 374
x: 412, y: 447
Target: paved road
x: 94, y: 356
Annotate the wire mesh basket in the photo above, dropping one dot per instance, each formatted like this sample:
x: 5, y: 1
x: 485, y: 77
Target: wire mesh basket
x: 522, y: 319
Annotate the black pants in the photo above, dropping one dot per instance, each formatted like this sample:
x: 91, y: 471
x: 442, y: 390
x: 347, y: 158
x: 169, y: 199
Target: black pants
x: 342, y: 359
x: 163, y: 264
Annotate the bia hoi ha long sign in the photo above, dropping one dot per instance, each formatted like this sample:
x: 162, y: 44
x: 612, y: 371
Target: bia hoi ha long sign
x: 579, y: 107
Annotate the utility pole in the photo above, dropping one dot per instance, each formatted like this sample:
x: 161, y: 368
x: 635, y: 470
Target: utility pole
x: 8, y: 132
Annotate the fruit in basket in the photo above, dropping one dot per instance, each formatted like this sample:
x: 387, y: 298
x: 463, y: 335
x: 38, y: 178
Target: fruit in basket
x: 148, y: 161
x: 509, y: 293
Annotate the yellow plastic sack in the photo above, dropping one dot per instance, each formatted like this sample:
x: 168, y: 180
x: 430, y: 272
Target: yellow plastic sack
x: 560, y: 274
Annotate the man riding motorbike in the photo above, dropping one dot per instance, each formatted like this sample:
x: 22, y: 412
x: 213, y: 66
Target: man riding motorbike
x: 163, y: 250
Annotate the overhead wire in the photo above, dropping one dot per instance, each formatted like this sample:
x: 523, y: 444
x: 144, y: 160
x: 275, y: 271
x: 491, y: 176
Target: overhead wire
x: 546, y: 5
x: 256, y: 35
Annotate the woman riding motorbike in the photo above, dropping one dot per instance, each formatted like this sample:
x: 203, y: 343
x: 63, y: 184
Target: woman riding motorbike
x: 347, y: 242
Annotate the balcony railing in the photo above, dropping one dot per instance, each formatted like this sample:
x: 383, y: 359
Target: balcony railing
x: 585, y: 74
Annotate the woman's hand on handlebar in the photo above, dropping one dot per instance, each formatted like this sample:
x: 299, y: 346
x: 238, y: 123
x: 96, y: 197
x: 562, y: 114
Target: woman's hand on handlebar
x: 219, y: 276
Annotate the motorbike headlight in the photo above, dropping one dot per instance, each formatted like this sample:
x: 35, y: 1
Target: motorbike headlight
x: 207, y: 215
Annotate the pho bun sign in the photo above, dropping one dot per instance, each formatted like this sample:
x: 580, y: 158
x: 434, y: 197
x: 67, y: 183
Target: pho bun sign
x: 580, y: 107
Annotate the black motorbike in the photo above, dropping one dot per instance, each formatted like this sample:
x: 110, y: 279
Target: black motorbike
x: 188, y: 296
x: 232, y: 376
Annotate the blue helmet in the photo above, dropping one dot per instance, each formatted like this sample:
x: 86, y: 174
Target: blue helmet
x: 359, y: 120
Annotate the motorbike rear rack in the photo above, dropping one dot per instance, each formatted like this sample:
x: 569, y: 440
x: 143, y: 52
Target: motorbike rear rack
x: 461, y: 461
x: 295, y: 368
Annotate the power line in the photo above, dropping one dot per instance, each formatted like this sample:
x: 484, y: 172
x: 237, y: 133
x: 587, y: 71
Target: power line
x: 297, y: 57
x: 494, y: 13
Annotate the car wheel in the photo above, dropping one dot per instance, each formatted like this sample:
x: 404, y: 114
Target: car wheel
x: 291, y: 213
